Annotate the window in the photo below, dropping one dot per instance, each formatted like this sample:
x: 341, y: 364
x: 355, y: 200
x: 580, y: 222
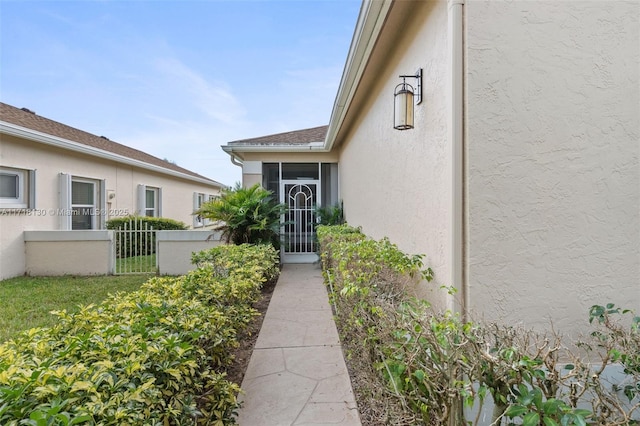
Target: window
x: 300, y: 171
x: 271, y: 178
x: 198, y: 200
x: 149, y: 201
x: 83, y: 204
x: 17, y: 188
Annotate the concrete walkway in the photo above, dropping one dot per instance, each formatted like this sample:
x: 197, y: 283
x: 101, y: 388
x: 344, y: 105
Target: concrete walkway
x: 297, y: 374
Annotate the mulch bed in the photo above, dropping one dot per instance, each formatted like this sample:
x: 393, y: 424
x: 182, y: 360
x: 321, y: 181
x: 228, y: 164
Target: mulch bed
x: 247, y: 340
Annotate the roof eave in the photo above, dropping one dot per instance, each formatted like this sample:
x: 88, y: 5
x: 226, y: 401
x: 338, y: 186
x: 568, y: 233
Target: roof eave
x: 373, y: 14
x: 33, y: 135
x: 316, y: 146
x: 238, y: 150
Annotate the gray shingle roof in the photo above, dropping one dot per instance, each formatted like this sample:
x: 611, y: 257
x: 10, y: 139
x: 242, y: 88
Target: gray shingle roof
x: 297, y: 137
x: 28, y: 119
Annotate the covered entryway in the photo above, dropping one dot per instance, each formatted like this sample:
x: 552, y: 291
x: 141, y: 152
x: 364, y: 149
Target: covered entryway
x: 301, y: 173
x: 302, y: 187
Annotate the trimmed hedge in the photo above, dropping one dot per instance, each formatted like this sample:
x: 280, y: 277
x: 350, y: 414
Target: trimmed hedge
x: 418, y: 366
x: 157, y: 223
x: 155, y: 356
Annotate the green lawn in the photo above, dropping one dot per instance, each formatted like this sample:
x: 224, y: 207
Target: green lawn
x: 136, y: 264
x: 25, y: 302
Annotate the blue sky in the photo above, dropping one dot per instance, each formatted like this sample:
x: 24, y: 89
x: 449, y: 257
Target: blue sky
x: 177, y: 79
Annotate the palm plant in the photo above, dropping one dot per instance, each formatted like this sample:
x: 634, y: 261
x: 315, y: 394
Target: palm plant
x: 246, y: 215
x: 330, y: 215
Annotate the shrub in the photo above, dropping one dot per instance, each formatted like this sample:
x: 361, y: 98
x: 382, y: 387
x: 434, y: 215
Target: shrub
x: 330, y: 215
x: 248, y: 215
x: 154, y: 356
x: 422, y: 367
x: 157, y: 223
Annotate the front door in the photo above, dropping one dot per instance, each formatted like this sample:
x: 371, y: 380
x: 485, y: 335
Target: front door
x: 299, y: 240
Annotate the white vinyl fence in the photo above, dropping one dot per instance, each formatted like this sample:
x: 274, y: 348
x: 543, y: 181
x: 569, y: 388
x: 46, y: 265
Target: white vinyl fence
x: 135, y: 248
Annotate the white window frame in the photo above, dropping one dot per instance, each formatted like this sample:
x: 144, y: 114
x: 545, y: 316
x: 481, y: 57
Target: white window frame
x: 85, y: 207
x: 154, y: 208
x: 198, y: 199
x: 66, y: 210
x: 143, y: 209
x: 25, y: 190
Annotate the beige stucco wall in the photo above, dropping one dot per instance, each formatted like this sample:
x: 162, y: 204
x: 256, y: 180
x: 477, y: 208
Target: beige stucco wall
x: 68, y: 253
x: 91, y: 252
x: 552, y: 150
x: 397, y: 183
x: 177, y: 194
x: 250, y: 179
x: 175, y: 249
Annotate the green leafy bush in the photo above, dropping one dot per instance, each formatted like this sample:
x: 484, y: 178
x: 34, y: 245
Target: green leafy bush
x: 157, y: 223
x: 330, y: 215
x: 247, y: 215
x: 423, y: 367
x: 154, y: 356
x: 132, y: 244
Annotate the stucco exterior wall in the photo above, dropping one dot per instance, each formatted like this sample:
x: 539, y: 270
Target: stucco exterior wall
x: 177, y: 194
x: 175, y: 249
x: 68, y: 253
x: 552, y: 159
x: 397, y: 183
x: 250, y: 179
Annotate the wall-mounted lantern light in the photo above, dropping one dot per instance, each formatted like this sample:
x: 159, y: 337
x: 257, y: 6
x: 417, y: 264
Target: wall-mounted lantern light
x: 403, y: 98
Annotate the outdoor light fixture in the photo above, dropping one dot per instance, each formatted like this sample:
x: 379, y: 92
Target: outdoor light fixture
x: 403, y: 98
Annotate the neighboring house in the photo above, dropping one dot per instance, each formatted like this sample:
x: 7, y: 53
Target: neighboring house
x: 520, y: 181
x: 55, y: 177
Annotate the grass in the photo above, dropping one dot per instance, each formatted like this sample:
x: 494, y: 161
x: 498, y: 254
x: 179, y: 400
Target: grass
x: 136, y: 264
x: 25, y: 302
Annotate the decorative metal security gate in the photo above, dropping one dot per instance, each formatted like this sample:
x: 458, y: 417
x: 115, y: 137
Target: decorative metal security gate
x: 135, y: 248
x: 301, y: 198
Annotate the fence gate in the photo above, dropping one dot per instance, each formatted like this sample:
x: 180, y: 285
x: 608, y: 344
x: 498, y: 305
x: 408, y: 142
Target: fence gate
x: 135, y: 248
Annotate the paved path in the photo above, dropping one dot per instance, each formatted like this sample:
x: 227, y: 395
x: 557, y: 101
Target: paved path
x: 297, y: 375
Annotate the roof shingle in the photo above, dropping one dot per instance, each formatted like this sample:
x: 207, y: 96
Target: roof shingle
x: 297, y: 137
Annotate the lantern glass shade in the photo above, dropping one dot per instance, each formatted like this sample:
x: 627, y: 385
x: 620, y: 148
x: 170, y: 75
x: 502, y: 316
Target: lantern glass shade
x: 403, y: 107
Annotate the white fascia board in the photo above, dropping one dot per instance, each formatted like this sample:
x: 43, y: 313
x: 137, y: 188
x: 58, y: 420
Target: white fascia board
x: 25, y: 133
x: 315, y: 147
x: 373, y: 14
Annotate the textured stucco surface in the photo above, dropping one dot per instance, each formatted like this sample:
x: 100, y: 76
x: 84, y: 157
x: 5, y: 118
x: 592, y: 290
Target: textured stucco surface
x: 68, y: 257
x: 552, y: 153
x: 397, y: 183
